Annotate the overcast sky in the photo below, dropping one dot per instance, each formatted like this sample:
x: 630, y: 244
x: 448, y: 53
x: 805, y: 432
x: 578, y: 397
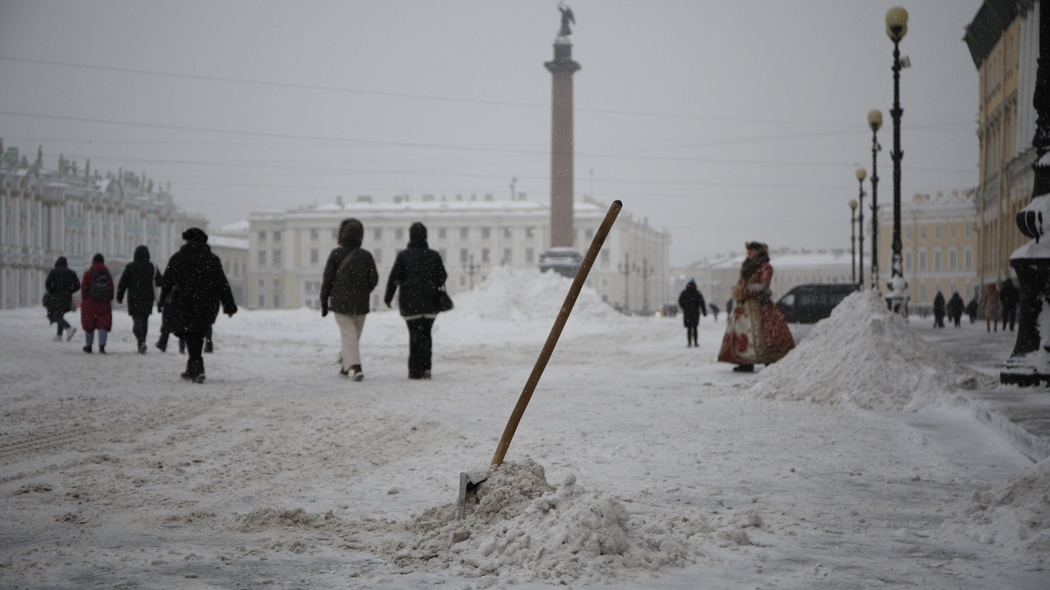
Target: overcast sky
x: 720, y: 121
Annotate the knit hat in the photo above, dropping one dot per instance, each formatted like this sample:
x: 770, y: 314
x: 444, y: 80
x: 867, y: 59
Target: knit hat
x: 195, y: 234
x: 97, y: 258
x: 417, y: 232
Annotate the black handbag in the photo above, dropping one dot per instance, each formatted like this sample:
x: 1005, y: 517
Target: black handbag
x: 443, y: 301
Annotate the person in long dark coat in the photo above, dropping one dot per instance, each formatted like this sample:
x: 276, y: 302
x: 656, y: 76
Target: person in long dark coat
x: 938, y: 310
x: 1009, y: 297
x: 692, y: 303
x: 971, y: 310
x: 955, y: 308
x: 139, y: 278
x: 60, y: 285
x: 197, y: 285
x: 350, y: 276
x: 96, y: 313
x: 418, y: 272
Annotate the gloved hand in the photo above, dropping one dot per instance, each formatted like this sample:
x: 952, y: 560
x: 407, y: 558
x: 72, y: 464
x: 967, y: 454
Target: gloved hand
x: 324, y: 308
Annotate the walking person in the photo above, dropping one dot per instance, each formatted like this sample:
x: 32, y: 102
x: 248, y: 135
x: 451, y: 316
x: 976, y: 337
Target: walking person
x: 197, y: 285
x: 692, y: 303
x: 350, y: 276
x: 971, y: 310
x: 61, y: 284
x: 992, y: 308
x: 419, y: 273
x: 756, y: 331
x: 714, y: 311
x: 96, y: 311
x: 938, y: 310
x: 1009, y: 298
x: 138, y: 281
x: 955, y: 308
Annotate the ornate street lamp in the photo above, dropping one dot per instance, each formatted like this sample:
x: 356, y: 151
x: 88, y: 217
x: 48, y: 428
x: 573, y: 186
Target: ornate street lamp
x: 471, y: 268
x: 626, y: 268
x: 861, y: 175
x: 875, y: 121
x: 896, y: 28
x: 853, y: 236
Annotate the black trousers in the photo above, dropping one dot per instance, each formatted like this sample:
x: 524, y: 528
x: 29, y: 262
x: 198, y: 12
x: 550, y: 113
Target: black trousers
x: 194, y: 346
x: 140, y: 327
x: 420, y: 345
x: 690, y: 333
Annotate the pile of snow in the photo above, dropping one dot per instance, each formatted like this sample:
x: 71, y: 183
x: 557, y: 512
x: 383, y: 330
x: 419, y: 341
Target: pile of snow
x: 867, y: 356
x: 1015, y: 515
x: 523, y: 529
x: 526, y: 294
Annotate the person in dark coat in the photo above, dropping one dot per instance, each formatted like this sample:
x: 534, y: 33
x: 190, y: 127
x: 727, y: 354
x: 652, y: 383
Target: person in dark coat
x: 96, y: 311
x: 197, y: 285
x: 692, y: 303
x: 714, y: 311
x: 139, y: 278
x: 418, y: 272
x: 971, y: 310
x: 729, y: 308
x: 938, y: 310
x: 167, y: 308
x: 955, y: 308
x: 60, y: 285
x: 1009, y: 297
x: 350, y: 276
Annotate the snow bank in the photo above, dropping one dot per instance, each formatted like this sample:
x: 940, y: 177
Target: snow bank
x: 525, y: 294
x: 1015, y: 516
x: 867, y: 356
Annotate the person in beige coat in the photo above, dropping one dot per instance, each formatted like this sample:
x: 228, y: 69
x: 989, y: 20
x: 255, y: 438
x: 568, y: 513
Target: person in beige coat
x: 991, y: 307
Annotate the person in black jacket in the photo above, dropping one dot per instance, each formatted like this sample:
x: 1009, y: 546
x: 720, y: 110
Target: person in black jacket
x: 138, y: 280
x: 60, y: 285
x: 1009, y: 297
x: 197, y: 285
x: 692, y: 303
x: 349, y: 277
x: 418, y: 272
x: 938, y: 310
x: 955, y: 308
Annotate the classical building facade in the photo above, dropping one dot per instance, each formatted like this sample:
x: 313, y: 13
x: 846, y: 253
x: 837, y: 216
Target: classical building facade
x: 288, y: 249
x: 1003, y: 40
x: 46, y: 213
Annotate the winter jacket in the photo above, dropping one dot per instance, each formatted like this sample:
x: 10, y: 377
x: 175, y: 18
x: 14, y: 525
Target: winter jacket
x: 196, y: 284
x: 1010, y: 295
x: 418, y: 271
x: 348, y: 282
x: 692, y: 303
x: 955, y: 306
x: 61, y: 284
x: 138, y: 280
x: 95, y: 314
x: 938, y: 306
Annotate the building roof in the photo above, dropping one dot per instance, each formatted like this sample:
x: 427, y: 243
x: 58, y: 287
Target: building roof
x: 226, y: 242
x: 987, y: 27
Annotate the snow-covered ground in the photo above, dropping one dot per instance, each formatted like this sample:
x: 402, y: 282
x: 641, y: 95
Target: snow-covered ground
x: 639, y: 463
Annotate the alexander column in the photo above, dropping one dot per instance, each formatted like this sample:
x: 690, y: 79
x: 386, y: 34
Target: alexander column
x: 562, y: 68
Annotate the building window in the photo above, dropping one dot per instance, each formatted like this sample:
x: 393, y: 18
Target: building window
x: 277, y: 236
x: 313, y: 234
x: 508, y: 233
x: 969, y: 231
x: 463, y: 255
x: 907, y: 261
x: 530, y: 232
x: 378, y: 233
x: 968, y: 259
x: 529, y: 255
x: 953, y: 258
x: 442, y: 233
x: 508, y: 256
x: 462, y: 282
x: 276, y: 257
x: 399, y: 233
x: 922, y: 233
x: 262, y: 300
x: 951, y: 231
x: 605, y: 258
x: 907, y: 233
x: 922, y: 292
x: 922, y: 260
x: 589, y: 233
x: 485, y: 256
x: 262, y: 258
x: 313, y: 256
x: 937, y: 259
x: 262, y: 236
x: 937, y: 231
x: 277, y: 292
x: 486, y: 233
x: 464, y: 232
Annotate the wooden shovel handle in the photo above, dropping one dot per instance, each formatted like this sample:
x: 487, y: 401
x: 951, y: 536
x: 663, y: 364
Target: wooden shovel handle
x: 552, y: 338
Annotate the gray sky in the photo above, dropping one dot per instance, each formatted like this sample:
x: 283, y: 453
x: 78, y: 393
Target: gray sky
x: 721, y: 121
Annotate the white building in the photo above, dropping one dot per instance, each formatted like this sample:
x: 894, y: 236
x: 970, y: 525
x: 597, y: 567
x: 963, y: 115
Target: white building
x: 47, y: 213
x: 288, y: 249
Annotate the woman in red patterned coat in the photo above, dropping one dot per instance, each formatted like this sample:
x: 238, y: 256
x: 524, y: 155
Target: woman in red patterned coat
x: 757, y: 332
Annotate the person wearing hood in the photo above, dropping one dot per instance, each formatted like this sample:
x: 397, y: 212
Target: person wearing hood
x: 756, y: 330
x: 197, y: 285
x: 692, y: 303
x: 350, y: 276
x: 938, y: 310
x: 138, y: 280
x: 419, y: 273
x: 96, y: 311
x: 60, y: 285
x: 955, y: 308
x: 1009, y: 297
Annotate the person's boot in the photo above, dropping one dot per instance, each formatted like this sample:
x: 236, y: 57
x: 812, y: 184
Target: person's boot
x: 208, y: 347
x: 87, y: 349
x: 744, y: 369
x: 194, y: 371
x: 101, y: 349
x: 358, y: 375
x: 70, y: 335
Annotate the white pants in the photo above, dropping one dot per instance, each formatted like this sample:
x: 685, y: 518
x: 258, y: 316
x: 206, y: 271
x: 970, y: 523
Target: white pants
x: 350, y: 327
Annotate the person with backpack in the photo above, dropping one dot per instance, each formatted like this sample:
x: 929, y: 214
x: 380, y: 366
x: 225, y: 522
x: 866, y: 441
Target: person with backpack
x: 96, y: 311
x: 350, y: 276
x: 60, y: 285
x: 138, y: 280
x: 197, y: 286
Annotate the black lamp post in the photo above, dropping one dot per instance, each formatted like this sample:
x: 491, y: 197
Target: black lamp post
x: 875, y: 121
x: 853, y: 236
x: 626, y: 269
x: 861, y: 175
x: 647, y: 271
x: 896, y: 28
x: 471, y: 268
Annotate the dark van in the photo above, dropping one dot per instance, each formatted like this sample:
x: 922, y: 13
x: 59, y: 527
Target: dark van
x: 811, y: 302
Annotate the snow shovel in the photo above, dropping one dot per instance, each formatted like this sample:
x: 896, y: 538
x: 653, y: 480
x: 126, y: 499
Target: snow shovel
x: 469, y: 482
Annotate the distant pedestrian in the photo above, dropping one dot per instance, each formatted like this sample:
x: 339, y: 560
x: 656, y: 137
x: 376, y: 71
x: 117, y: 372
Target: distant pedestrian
x: 139, y: 279
x: 96, y: 311
x: 419, y: 273
x: 714, y: 311
x: 691, y: 300
x: 197, y: 284
x: 971, y: 310
x: 350, y: 276
x: 1009, y: 297
x: 938, y: 310
x: 992, y: 308
x: 955, y: 308
x: 60, y: 285
x: 756, y: 331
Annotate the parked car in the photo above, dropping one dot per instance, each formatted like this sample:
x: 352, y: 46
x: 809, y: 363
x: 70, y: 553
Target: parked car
x: 811, y: 302
x: 564, y: 261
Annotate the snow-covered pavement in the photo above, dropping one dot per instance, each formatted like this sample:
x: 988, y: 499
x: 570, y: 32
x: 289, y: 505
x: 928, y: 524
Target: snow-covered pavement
x: 279, y: 473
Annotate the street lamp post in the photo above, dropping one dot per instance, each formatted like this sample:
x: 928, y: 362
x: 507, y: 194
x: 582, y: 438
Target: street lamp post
x: 471, y: 268
x: 875, y: 121
x: 647, y: 271
x: 861, y: 175
x: 626, y: 269
x: 896, y: 28
x: 853, y: 236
